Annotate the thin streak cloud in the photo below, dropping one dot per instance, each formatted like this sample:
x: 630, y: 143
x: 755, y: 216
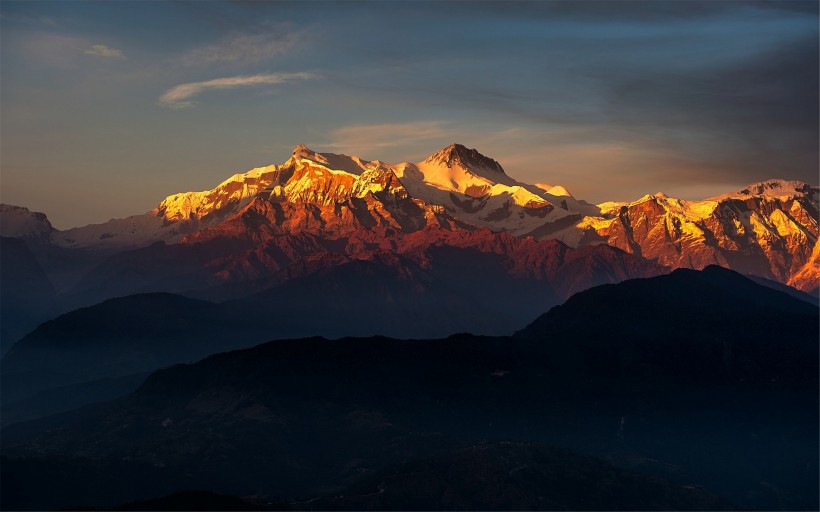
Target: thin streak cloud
x: 179, y: 96
x: 101, y: 50
x: 242, y: 49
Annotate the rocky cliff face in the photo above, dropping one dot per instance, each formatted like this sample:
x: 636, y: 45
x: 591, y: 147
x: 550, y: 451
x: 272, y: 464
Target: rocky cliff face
x: 334, y: 193
x: 19, y: 222
x: 807, y: 278
x: 767, y: 229
x: 305, y: 195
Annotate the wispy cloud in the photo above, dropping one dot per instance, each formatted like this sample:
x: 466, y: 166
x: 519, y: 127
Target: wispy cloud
x: 55, y: 50
x: 179, y: 96
x: 49, y: 22
x: 30, y: 19
x: 101, y: 50
x: 361, y: 139
x: 243, y: 48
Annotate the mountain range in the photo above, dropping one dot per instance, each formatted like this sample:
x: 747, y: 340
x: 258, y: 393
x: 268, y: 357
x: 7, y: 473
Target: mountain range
x: 319, y: 211
x: 655, y: 402
x: 663, y: 351
x: 769, y: 229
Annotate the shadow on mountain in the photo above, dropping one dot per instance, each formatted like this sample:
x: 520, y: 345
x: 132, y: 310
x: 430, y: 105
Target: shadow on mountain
x: 686, y: 324
x: 26, y: 294
x: 131, y: 335
x: 113, y: 339
x: 202, y: 500
x: 386, y: 294
x: 514, y: 476
x: 704, y: 379
x: 487, y: 476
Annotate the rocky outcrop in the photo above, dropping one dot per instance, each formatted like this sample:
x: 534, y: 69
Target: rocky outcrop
x: 19, y: 222
x: 766, y: 229
x: 766, y: 234
x: 807, y: 278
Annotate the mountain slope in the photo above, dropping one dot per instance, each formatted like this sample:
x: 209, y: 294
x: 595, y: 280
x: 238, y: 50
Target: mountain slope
x: 450, y: 215
x: 311, y: 417
x: 694, y: 328
x: 250, y: 251
x: 115, y: 338
x: 515, y: 476
x: 457, y: 181
x: 313, y: 192
x: 483, y: 282
x: 767, y: 229
x: 476, y: 189
x: 807, y: 278
x: 19, y: 222
x: 26, y: 294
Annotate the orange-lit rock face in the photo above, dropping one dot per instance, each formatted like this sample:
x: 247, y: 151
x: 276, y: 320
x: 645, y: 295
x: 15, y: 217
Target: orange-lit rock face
x: 807, y: 277
x: 312, y: 216
x: 437, y: 247
x: 768, y: 229
x: 315, y: 199
x: 227, y: 196
x: 455, y: 181
x: 763, y: 235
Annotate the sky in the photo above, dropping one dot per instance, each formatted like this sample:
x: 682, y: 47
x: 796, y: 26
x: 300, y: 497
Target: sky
x: 108, y: 107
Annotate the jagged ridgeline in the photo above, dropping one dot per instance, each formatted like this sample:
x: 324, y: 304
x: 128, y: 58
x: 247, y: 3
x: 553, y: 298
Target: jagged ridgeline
x: 768, y: 229
x: 681, y: 389
x: 452, y: 241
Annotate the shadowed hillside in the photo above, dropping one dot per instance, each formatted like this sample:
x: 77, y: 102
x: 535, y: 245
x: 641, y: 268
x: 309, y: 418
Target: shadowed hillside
x: 304, y: 418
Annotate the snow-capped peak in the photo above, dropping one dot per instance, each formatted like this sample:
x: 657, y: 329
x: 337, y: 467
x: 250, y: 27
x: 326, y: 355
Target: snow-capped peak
x: 559, y: 191
x: 776, y: 188
x: 471, y: 159
x: 332, y: 161
x: 554, y: 190
x: 17, y: 221
x: 302, y: 151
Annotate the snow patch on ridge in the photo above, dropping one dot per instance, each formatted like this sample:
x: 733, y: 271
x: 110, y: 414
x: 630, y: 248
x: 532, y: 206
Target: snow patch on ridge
x: 20, y: 222
x: 464, y: 184
x: 330, y: 161
x: 775, y: 188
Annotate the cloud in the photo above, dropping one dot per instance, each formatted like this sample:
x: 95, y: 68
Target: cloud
x: 744, y: 122
x: 54, y: 50
x: 49, y: 22
x: 101, y: 50
x: 362, y: 139
x: 242, y: 49
x: 178, y: 96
